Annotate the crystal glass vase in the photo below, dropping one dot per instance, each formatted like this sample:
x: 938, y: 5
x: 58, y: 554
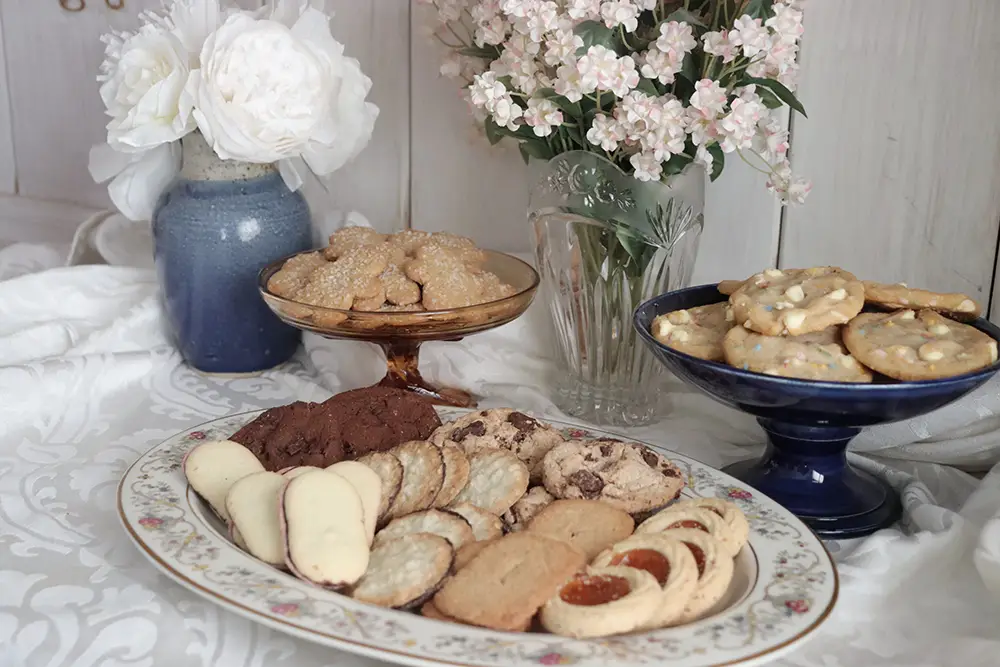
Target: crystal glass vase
x: 604, y: 243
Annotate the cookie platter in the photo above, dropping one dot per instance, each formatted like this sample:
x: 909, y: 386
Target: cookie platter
x: 475, y: 561
x: 817, y: 355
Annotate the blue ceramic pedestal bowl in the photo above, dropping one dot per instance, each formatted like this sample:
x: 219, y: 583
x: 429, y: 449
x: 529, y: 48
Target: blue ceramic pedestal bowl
x: 809, y: 425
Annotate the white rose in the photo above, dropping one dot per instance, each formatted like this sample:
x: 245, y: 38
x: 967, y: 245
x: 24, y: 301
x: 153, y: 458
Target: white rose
x: 143, y: 76
x: 280, y: 87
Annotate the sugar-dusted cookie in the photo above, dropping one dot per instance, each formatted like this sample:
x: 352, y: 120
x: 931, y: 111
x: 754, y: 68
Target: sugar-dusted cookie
x: 715, y: 571
x: 390, y: 471
x: 526, y: 508
x: 456, y: 474
x: 373, y: 303
x: 346, y: 239
x: 797, y: 301
x: 696, y: 331
x: 918, y: 346
x: 604, y: 601
x: 410, y: 239
x: 589, y: 525
x: 294, y: 273
x: 497, y: 479
x: 727, y: 287
x: 507, y: 582
x: 399, y: 290
x: 684, y: 514
x: 448, y: 525
x: 491, y: 288
x: 353, y: 276
x: 898, y: 296
x: 485, y: 526
x: 405, y: 572
x: 813, y: 356
x: 461, y: 246
x: 668, y: 560
x: 446, y: 280
x: 736, y: 520
x: 502, y: 428
x: 423, y: 474
x: 625, y: 475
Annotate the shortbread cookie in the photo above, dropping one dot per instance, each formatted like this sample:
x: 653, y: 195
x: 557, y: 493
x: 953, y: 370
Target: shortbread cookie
x: 797, y: 301
x: 524, y: 510
x: 669, y: 561
x: 468, y: 552
x: 503, y: 586
x: 497, y: 479
x: 918, y: 346
x: 503, y: 428
x: 253, y: 504
x: 368, y: 484
x: 428, y: 610
x: 456, y: 474
x: 899, y: 296
x: 423, y: 474
x: 696, y: 331
x: 448, y: 525
x: 485, y: 525
x: 715, y: 571
x: 683, y: 514
x: 727, y: 287
x: 813, y: 356
x: 605, y: 601
x: 405, y: 572
x: 625, y: 475
x: 212, y: 468
x: 589, y: 525
x: 346, y: 239
x: 390, y: 471
x: 353, y: 276
x: 294, y: 274
x: 736, y: 520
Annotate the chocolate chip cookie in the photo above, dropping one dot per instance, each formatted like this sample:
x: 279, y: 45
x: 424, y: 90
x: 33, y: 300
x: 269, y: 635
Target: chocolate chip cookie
x: 797, y: 301
x: 918, y: 346
x: 502, y: 428
x: 625, y: 475
x: 813, y: 356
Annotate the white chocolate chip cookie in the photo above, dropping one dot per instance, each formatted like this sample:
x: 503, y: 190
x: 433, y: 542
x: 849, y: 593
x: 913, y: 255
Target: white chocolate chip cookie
x: 797, y: 301
x: 697, y: 331
x: 894, y: 297
x: 918, y: 346
x: 813, y: 356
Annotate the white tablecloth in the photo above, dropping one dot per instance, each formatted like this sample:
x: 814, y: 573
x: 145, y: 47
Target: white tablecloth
x: 88, y: 381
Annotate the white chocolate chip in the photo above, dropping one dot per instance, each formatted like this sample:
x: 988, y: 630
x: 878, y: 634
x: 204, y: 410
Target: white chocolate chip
x: 907, y: 315
x: 838, y: 294
x: 848, y: 361
x: 773, y: 273
x: 746, y: 324
x: 939, y: 329
x: 662, y: 326
x: 680, y: 317
x: 902, y: 284
x: 993, y: 351
x: 930, y: 352
x: 793, y: 319
x: 967, y: 306
x: 795, y: 293
x: 680, y: 335
x: 783, y: 305
x: 729, y: 314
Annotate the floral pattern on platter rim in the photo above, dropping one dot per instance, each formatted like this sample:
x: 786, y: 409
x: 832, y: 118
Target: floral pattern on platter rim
x: 794, y: 590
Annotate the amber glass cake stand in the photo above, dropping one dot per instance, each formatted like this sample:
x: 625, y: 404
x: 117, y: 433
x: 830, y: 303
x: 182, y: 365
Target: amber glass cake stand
x: 400, y: 334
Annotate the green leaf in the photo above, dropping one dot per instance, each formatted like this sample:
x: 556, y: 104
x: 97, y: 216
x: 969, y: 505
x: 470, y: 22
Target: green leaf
x: 594, y: 33
x: 769, y: 99
x: 759, y: 9
x: 778, y: 89
x: 718, y: 161
x: 684, y: 16
x: 494, y: 133
x: 476, y: 52
x: 676, y: 164
x: 535, y: 148
x: 572, y: 108
x: 647, y: 86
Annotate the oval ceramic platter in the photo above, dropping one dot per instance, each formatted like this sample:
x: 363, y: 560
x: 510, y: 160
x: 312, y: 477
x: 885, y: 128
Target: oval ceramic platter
x: 785, y: 584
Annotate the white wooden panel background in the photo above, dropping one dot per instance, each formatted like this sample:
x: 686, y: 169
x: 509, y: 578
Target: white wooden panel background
x: 902, y: 142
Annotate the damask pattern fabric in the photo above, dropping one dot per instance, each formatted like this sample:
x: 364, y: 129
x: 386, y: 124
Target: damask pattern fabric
x: 88, y: 381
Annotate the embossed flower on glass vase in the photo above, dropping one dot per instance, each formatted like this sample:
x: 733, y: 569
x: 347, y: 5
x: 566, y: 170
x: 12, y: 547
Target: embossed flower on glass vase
x: 261, y: 86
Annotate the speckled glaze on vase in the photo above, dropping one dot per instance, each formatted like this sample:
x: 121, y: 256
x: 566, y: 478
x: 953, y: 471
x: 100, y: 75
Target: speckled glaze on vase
x: 213, y: 230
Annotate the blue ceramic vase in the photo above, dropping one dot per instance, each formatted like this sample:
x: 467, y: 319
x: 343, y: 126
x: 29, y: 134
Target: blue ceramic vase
x: 213, y: 230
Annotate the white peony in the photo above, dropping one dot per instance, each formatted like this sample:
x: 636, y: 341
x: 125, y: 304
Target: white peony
x: 277, y: 85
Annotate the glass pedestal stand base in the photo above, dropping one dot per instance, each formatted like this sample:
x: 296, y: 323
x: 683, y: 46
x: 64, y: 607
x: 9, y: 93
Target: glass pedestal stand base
x: 403, y: 372
x: 805, y: 469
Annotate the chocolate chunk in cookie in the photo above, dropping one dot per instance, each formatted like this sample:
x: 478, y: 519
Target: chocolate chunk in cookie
x: 918, y: 346
x: 625, y: 475
x: 797, y: 301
